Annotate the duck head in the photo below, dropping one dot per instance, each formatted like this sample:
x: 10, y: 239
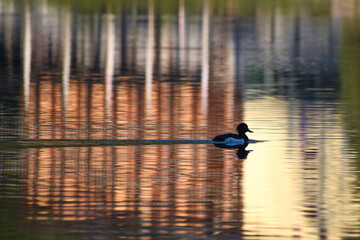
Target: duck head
x: 242, y: 128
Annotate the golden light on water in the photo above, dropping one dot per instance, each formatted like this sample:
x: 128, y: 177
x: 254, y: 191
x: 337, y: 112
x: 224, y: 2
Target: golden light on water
x: 313, y: 167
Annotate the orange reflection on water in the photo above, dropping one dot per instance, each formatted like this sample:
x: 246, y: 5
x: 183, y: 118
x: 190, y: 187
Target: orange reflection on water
x: 170, y: 186
x: 175, y: 112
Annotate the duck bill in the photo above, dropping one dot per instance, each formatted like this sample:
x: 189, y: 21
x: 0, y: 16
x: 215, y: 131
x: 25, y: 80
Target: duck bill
x: 250, y: 131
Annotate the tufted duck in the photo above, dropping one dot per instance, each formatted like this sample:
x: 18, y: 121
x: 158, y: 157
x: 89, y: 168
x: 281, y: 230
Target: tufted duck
x: 232, y: 139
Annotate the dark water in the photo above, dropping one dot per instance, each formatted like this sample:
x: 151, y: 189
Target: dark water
x: 180, y: 70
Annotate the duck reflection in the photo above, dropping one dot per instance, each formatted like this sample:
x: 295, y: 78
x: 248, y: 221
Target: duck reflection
x: 241, y: 153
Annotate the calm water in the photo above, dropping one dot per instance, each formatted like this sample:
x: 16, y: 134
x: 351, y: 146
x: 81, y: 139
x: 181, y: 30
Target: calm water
x: 181, y: 70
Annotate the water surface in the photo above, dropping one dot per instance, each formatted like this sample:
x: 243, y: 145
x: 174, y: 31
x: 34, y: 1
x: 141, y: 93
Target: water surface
x: 180, y: 71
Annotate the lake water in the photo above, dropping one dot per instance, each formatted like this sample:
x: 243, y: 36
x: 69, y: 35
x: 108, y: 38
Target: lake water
x: 180, y: 70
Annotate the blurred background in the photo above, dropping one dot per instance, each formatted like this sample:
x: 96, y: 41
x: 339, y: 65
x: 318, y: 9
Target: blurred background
x: 182, y: 69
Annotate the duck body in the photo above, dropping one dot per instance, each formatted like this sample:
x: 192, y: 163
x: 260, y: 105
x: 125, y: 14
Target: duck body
x: 229, y: 137
x: 232, y: 139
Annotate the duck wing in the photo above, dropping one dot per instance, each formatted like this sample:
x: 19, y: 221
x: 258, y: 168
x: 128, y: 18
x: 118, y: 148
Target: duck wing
x: 221, y: 138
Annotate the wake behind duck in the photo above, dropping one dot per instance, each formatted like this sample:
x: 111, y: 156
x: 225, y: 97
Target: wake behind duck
x: 228, y: 140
